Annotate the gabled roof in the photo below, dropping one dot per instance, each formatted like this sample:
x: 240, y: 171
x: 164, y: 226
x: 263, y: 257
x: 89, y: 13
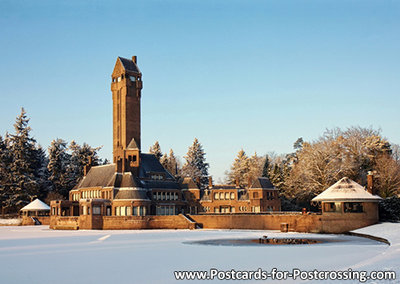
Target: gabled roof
x: 188, y: 183
x: 132, y: 145
x: 36, y: 205
x: 131, y: 193
x: 129, y: 65
x: 98, y: 176
x: 150, y: 164
x: 106, y: 176
x: 262, y: 183
x: 346, y: 190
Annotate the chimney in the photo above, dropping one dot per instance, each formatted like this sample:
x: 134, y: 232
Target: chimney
x: 237, y: 182
x: 249, y: 181
x: 370, y: 183
x: 134, y: 58
x: 210, y: 185
x: 87, y: 167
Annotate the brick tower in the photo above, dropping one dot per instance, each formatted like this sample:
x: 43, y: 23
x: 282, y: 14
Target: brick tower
x: 126, y: 89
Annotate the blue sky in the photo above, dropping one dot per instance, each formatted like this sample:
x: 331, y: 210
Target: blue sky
x: 235, y: 74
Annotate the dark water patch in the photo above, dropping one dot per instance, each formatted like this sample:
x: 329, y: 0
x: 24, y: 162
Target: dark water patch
x: 282, y: 241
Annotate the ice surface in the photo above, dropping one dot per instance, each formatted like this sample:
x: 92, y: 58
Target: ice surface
x: 36, y: 254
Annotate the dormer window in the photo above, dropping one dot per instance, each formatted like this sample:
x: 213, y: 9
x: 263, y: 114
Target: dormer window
x: 157, y: 177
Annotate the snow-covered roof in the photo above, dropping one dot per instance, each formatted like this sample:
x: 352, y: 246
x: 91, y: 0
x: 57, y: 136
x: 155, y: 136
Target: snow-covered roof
x: 36, y: 205
x: 346, y: 190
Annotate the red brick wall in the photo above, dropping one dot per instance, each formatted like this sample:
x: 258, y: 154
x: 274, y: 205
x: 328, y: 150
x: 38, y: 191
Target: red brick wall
x: 146, y: 222
x: 313, y: 223
x: 64, y: 223
x: 27, y: 220
x: 300, y: 223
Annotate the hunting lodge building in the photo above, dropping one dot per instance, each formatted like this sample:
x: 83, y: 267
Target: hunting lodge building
x: 136, y: 184
x: 137, y: 192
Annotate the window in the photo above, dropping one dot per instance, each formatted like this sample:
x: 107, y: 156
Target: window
x: 216, y: 196
x: 84, y: 210
x: 221, y: 195
x: 133, y: 79
x: 135, y: 211
x: 232, y: 209
x: 332, y: 207
x: 255, y: 195
x: 96, y: 210
x: 53, y: 211
x: 353, y: 207
x: 216, y: 210
x: 227, y: 195
x: 123, y: 211
x: 118, y: 211
x: 232, y: 196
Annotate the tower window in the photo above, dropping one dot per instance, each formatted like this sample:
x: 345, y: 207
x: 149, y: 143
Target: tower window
x: 119, y: 79
x: 134, y: 158
x: 133, y: 79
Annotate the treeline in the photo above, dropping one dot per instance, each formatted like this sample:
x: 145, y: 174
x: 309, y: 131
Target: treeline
x: 311, y: 168
x: 316, y: 165
x: 27, y: 172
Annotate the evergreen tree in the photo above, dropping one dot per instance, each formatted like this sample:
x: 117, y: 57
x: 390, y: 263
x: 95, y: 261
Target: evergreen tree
x: 298, y: 144
x: 79, y: 158
x: 239, y: 169
x: 59, y: 167
x: 265, y: 172
x: 42, y: 173
x: 164, y: 161
x: 5, y: 174
x: 255, y: 169
x: 173, y: 166
x: 24, y: 180
x: 195, y: 165
x: 156, y: 150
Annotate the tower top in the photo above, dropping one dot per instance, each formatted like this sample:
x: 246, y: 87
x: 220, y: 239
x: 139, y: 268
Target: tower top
x: 126, y: 65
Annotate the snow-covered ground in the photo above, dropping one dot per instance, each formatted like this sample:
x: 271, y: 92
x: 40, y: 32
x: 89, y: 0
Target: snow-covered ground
x: 36, y: 254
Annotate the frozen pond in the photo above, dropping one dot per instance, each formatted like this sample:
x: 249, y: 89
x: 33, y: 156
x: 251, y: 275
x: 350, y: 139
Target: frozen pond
x: 35, y: 254
x: 293, y: 239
